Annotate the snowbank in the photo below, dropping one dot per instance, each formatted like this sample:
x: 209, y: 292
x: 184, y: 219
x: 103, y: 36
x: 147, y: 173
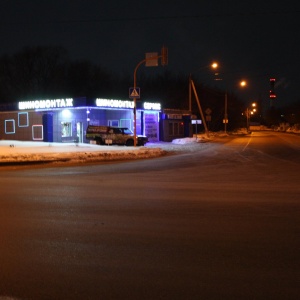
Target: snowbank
x: 14, y: 152
x: 18, y: 151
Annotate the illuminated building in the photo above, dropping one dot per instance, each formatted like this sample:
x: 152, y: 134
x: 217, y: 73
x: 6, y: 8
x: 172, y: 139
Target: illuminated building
x: 66, y: 120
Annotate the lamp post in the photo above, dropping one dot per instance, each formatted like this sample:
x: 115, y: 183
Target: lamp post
x: 214, y: 65
x: 243, y: 83
x: 153, y: 59
x: 250, y: 112
x: 192, y: 87
x: 134, y: 101
x: 225, y: 114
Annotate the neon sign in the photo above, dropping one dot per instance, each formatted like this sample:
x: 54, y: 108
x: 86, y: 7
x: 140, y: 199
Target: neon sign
x: 114, y: 103
x: 40, y: 104
x: 152, y: 106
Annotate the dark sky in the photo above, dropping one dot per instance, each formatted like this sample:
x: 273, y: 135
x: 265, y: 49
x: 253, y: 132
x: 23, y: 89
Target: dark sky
x: 254, y: 39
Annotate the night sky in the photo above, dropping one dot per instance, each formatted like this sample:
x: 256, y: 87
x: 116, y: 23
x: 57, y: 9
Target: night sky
x: 253, y: 40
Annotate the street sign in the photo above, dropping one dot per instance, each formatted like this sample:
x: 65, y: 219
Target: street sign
x: 196, y: 121
x: 208, y: 111
x: 151, y: 59
x: 134, y: 93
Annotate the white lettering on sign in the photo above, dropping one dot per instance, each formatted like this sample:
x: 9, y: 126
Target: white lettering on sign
x: 114, y: 103
x: 152, y: 106
x: 174, y: 116
x: 40, y: 104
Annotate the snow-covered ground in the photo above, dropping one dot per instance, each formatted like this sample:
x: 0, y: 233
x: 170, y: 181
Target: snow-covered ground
x: 18, y: 151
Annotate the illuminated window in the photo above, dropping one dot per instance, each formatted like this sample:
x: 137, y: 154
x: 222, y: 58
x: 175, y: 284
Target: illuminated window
x: 66, y: 129
x: 10, y: 127
x: 125, y: 123
x: 37, y: 132
x: 113, y: 123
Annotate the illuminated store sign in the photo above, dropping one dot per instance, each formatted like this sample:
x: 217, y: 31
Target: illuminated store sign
x: 125, y: 104
x: 114, y: 103
x: 152, y: 106
x: 40, y: 104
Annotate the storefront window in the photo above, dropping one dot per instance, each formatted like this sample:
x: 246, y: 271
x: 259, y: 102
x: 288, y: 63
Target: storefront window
x: 171, y: 132
x: 181, y: 128
x: 175, y: 128
x: 114, y: 123
x: 66, y: 129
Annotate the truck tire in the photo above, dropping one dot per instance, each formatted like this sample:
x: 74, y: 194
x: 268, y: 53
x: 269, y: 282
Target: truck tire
x: 129, y: 142
x: 99, y: 141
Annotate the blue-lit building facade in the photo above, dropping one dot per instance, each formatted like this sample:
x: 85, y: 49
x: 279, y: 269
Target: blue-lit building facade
x: 66, y: 120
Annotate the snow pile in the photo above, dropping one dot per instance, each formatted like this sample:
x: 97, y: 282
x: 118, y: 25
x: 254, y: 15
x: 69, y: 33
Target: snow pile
x: 18, y: 151
x: 286, y: 127
x: 294, y: 129
x: 184, y: 141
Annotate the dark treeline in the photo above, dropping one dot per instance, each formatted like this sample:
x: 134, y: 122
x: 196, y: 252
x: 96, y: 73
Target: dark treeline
x: 48, y: 72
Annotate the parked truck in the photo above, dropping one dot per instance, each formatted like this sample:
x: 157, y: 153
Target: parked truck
x: 106, y: 135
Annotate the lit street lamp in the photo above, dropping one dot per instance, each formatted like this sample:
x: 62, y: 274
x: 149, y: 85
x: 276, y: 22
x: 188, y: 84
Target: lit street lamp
x: 192, y: 86
x: 243, y: 83
x: 214, y: 65
x: 250, y: 112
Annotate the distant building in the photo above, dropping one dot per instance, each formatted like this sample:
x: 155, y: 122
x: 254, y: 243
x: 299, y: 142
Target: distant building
x: 175, y: 124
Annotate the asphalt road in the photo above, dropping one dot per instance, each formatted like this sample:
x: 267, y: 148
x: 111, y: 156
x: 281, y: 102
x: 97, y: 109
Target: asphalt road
x: 213, y: 222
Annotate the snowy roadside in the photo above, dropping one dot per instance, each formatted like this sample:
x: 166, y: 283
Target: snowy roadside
x: 19, y: 152
x: 14, y: 152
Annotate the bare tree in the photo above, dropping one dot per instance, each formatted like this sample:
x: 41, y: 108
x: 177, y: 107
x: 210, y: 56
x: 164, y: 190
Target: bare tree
x: 33, y: 72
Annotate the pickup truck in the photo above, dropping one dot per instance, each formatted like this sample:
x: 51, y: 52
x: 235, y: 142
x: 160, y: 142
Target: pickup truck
x: 113, y: 135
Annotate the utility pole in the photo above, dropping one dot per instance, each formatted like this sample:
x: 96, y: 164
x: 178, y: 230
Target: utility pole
x: 225, y: 114
x: 200, y: 109
x: 152, y: 60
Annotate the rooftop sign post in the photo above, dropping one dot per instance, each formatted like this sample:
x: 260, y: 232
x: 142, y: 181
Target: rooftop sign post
x: 151, y: 60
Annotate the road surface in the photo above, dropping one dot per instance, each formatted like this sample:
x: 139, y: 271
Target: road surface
x: 217, y: 221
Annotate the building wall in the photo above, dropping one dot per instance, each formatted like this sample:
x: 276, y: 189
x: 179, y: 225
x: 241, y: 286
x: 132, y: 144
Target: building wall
x: 69, y: 124
x: 69, y: 118
x: 175, y: 128
x: 24, y: 126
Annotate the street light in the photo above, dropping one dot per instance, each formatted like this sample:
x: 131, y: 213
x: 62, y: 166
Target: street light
x: 213, y: 65
x: 192, y: 86
x: 249, y: 112
x: 243, y: 83
x: 152, y: 59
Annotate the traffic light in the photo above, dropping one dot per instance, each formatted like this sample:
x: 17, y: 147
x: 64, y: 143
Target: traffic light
x: 164, y: 56
x: 272, y: 88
